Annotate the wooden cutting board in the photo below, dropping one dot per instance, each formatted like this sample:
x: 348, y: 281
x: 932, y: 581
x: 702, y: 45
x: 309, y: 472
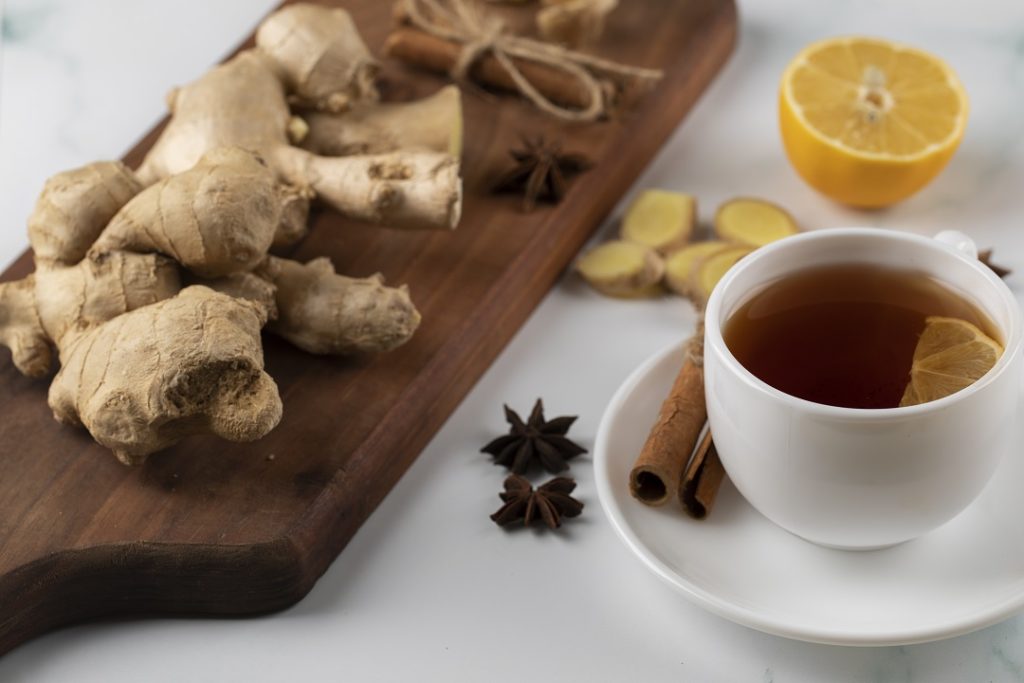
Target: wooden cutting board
x: 209, y: 527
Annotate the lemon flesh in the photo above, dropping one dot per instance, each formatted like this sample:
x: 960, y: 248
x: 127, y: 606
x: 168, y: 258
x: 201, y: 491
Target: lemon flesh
x: 869, y: 122
x: 950, y: 355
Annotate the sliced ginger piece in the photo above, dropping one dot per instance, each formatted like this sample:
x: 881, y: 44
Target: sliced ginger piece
x: 660, y: 219
x: 623, y: 269
x: 681, y: 263
x: 753, y: 221
x: 574, y: 23
x: 950, y: 355
x: 711, y: 268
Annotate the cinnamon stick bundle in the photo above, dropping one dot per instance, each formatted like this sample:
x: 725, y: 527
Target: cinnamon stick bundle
x: 454, y: 37
x: 420, y: 49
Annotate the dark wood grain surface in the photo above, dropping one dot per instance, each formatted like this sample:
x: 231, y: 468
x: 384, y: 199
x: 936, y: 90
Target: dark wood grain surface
x: 210, y: 527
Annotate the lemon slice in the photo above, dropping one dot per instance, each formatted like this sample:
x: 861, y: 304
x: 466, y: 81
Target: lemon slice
x: 950, y: 355
x: 868, y: 122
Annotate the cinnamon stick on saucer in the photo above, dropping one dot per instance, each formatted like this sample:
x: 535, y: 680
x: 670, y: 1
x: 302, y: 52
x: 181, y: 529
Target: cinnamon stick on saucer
x: 702, y: 479
x: 658, y: 472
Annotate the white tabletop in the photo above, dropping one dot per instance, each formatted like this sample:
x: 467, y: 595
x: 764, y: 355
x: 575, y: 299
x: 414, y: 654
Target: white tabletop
x: 430, y: 588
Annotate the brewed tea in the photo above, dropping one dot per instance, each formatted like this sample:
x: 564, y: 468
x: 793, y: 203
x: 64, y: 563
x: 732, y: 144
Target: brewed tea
x: 842, y: 335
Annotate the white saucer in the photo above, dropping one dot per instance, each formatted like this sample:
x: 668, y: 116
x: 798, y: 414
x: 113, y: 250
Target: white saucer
x: 965, y: 575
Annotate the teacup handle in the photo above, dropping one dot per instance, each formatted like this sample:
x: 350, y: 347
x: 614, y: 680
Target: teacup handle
x: 958, y: 242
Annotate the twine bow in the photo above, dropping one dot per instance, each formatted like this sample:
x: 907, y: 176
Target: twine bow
x: 479, y: 33
x: 694, y: 349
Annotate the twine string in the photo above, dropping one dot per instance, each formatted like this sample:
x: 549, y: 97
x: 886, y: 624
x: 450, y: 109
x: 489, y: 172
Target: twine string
x: 695, y: 345
x: 480, y: 34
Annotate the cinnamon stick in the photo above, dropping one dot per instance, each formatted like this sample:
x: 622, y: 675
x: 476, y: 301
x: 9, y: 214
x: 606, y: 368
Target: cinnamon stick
x: 702, y: 480
x: 659, y: 470
x: 420, y: 49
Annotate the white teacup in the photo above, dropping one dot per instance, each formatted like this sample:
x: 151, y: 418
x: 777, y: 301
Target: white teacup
x: 852, y: 478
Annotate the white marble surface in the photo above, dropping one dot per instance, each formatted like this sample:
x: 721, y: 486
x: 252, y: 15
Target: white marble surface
x: 429, y: 588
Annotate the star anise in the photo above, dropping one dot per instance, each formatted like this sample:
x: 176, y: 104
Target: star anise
x: 550, y: 502
x: 985, y: 257
x: 541, y: 171
x: 535, y: 439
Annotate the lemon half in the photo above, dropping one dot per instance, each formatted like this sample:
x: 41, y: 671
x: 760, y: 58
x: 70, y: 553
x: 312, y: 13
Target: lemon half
x: 868, y: 122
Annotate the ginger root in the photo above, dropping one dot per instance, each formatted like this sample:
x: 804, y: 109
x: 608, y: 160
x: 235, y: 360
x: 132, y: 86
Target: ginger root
x: 660, y: 219
x: 192, y: 364
x: 72, y: 299
x: 244, y: 103
x: 248, y: 286
x: 754, y: 222
x: 240, y: 103
x: 400, y: 189
x: 323, y: 59
x: 431, y: 124
x: 215, y: 219
x: 74, y: 208
x: 293, y: 226
x: 325, y: 313
x: 21, y: 330
x: 146, y: 362
x: 622, y: 269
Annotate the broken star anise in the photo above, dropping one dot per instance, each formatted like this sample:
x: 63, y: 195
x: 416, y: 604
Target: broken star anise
x: 985, y: 256
x: 550, y: 502
x: 541, y: 171
x: 535, y: 439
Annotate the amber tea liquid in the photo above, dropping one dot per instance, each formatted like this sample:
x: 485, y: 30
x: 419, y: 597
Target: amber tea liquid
x: 842, y: 335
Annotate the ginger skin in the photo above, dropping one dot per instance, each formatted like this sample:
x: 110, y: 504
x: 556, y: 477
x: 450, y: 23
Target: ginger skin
x: 322, y: 312
x: 74, y: 208
x: 248, y: 286
x: 240, y: 103
x: 189, y: 365
x: 418, y: 190
x: 168, y: 373
x: 322, y: 59
x: 20, y: 328
x: 431, y: 124
x: 153, y: 287
x: 72, y: 299
x: 215, y: 219
x: 244, y: 103
x: 293, y: 226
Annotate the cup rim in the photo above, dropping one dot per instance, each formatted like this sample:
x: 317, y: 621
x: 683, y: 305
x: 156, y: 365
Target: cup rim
x: 716, y: 342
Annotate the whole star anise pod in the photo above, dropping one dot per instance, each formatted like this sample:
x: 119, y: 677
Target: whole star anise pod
x: 535, y: 439
x: 541, y: 171
x: 550, y: 502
